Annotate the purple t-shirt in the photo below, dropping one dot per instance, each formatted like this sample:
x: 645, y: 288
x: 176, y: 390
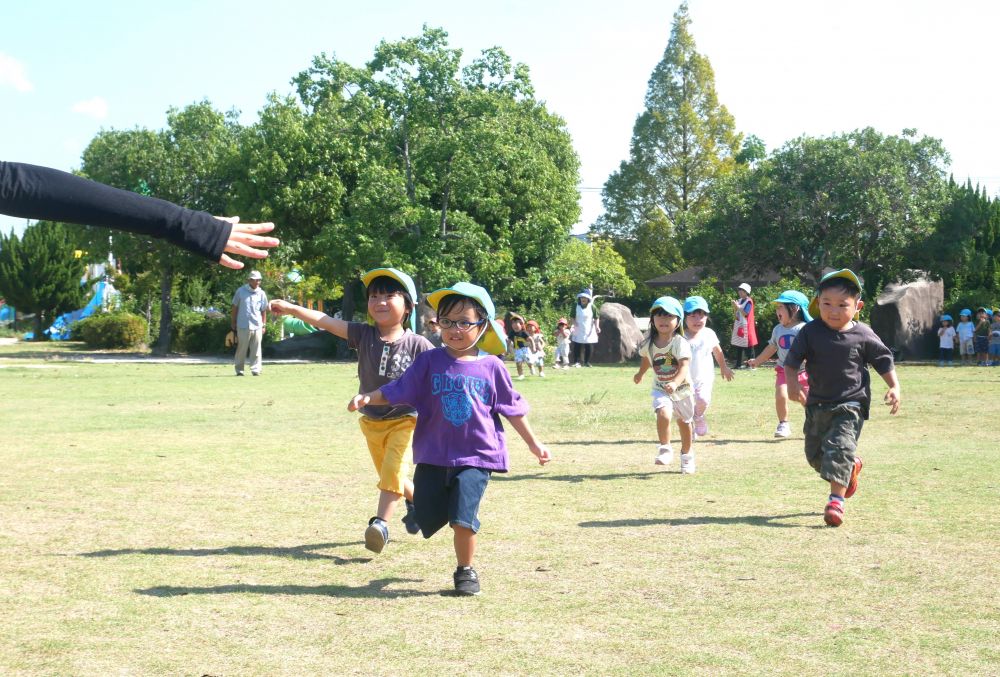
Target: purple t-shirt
x: 459, y: 404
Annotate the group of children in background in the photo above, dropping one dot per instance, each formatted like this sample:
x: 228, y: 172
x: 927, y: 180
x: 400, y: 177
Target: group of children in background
x: 977, y: 340
x: 821, y: 364
x: 444, y: 402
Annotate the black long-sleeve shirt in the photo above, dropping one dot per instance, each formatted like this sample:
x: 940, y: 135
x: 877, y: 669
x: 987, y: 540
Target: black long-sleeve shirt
x: 33, y: 192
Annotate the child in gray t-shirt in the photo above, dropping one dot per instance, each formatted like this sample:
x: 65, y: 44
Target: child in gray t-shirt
x: 837, y: 351
x: 385, y: 350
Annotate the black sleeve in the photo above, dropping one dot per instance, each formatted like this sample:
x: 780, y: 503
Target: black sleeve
x: 33, y: 192
x: 878, y: 355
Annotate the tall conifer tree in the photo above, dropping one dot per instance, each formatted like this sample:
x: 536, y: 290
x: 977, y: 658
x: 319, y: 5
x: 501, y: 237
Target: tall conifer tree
x: 39, y: 272
x: 682, y: 143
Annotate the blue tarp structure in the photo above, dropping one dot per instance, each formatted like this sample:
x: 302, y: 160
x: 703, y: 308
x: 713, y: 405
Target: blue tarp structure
x: 6, y: 313
x: 60, y: 329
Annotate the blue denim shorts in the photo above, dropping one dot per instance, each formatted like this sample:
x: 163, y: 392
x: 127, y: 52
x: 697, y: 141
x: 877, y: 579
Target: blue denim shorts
x: 448, y: 496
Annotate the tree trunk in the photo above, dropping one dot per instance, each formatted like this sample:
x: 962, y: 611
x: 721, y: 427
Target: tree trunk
x: 37, y: 324
x: 162, y: 346
x: 347, y: 308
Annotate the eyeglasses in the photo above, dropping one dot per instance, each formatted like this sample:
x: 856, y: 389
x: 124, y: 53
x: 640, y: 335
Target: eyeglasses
x: 384, y: 298
x: 463, y: 325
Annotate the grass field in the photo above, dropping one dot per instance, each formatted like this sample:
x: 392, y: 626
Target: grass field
x: 172, y: 519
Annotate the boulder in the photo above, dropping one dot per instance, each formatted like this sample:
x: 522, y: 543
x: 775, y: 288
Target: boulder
x: 905, y: 317
x: 620, y: 335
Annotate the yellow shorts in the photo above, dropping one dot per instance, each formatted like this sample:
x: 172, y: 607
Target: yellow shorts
x: 389, y: 443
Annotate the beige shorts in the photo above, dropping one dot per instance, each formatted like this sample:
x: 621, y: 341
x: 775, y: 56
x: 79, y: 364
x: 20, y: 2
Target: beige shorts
x: 682, y: 409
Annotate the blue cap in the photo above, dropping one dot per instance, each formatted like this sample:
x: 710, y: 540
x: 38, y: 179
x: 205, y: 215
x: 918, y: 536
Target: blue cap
x: 400, y: 277
x: 693, y: 303
x: 797, y: 298
x: 493, y: 340
x: 946, y: 316
x: 966, y: 312
x: 668, y: 304
x: 586, y: 293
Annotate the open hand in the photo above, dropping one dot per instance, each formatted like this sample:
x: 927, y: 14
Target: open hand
x: 246, y: 240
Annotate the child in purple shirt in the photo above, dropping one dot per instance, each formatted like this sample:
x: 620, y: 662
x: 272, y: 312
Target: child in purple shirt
x: 459, y: 391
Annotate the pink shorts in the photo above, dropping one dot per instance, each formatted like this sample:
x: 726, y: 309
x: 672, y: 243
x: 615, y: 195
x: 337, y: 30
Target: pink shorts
x: 779, y: 379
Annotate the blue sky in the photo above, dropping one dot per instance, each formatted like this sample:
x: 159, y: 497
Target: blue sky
x: 783, y: 68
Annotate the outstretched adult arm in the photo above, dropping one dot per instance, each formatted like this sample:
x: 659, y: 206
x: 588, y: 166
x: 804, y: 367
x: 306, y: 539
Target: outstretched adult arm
x: 33, y: 192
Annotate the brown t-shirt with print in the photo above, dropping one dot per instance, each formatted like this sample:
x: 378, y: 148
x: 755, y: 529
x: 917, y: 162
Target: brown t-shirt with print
x: 380, y: 362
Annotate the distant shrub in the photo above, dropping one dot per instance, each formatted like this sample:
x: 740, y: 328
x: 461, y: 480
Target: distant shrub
x: 195, y: 333
x: 111, y: 330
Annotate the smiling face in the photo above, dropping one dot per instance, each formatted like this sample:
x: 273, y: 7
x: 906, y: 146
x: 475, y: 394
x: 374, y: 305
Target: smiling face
x: 665, y: 323
x: 388, y: 303
x: 695, y: 320
x: 516, y: 325
x: 837, y: 307
x: 457, y: 312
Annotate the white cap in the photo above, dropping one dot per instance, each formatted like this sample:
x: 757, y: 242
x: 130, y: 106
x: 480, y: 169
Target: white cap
x: 745, y: 287
x: 255, y: 275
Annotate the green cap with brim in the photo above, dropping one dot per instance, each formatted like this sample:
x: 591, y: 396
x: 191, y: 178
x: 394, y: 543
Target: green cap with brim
x: 400, y: 277
x: 493, y: 340
x: 845, y: 273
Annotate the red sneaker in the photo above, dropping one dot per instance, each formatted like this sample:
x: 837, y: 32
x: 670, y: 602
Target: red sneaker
x: 834, y: 513
x: 852, y: 486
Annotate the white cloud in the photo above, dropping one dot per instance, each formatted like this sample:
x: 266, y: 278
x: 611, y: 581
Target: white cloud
x: 95, y: 107
x: 12, y: 73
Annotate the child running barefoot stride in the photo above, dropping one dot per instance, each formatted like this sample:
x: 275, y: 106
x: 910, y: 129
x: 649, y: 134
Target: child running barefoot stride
x: 792, y: 316
x: 837, y: 351
x: 460, y: 391
x: 669, y: 354
x: 385, y: 351
x: 704, y: 347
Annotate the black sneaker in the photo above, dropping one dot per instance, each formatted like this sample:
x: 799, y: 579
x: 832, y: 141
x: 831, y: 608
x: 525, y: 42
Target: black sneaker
x: 410, y: 519
x: 376, y: 535
x: 466, y: 581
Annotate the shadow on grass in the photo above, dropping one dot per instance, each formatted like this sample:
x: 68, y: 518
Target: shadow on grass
x: 376, y: 588
x: 652, y: 442
x: 753, y: 520
x: 582, y: 478
x: 297, y: 552
x: 587, y: 443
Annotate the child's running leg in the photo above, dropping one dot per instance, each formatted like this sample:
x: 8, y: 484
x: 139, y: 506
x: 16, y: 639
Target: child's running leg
x: 465, y: 545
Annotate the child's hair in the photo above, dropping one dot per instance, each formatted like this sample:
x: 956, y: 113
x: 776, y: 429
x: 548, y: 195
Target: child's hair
x: 795, y: 314
x: 384, y: 284
x: 460, y: 303
x: 840, y: 284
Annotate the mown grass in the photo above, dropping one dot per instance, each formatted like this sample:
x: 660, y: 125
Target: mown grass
x: 173, y: 519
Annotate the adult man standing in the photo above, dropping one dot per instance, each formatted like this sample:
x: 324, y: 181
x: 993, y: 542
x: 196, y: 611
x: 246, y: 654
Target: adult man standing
x: 249, y: 313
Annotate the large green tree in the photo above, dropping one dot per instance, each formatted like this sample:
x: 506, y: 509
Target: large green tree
x: 862, y: 200
x: 450, y: 172
x: 192, y: 163
x: 682, y: 143
x: 40, y: 272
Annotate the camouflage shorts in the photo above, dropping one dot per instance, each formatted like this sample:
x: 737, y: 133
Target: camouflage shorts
x: 832, y: 432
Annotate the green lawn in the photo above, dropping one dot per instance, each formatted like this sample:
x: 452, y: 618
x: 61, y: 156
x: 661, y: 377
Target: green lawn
x: 173, y: 519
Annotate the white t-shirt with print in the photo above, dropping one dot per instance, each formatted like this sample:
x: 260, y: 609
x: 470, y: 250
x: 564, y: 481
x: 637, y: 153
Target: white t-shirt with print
x: 665, y: 364
x: 948, y: 338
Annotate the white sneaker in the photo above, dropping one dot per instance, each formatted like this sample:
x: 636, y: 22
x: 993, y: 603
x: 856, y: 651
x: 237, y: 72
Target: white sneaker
x: 687, y: 464
x: 577, y: 365
x: 541, y: 376
x: 520, y: 378
x: 783, y: 430
x: 664, y: 455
